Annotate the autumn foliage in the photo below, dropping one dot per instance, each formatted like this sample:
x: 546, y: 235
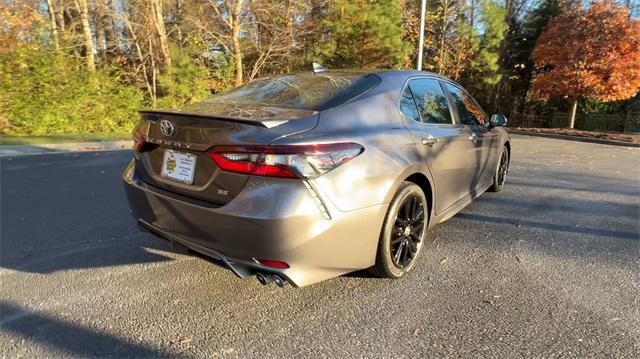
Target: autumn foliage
x: 592, y: 53
x: 88, y: 65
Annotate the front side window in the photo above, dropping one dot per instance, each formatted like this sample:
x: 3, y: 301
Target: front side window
x: 431, y: 101
x: 469, y: 112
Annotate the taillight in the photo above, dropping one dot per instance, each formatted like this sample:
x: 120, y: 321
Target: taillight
x: 285, y: 161
x: 138, y: 142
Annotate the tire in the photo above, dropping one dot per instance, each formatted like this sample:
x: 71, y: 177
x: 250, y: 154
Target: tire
x: 501, y: 172
x: 399, y: 247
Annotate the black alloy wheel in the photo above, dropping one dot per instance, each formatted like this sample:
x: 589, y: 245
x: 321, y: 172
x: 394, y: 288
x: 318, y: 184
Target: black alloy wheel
x: 501, y: 172
x: 403, y: 232
x: 407, y: 232
x: 504, y: 166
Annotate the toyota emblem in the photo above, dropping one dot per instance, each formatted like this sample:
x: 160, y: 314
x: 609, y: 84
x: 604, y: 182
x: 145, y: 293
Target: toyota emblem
x: 167, y: 128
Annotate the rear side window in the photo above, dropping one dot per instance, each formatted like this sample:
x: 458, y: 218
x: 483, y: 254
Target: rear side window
x: 431, y: 101
x: 469, y: 112
x: 358, y: 86
x: 304, y: 90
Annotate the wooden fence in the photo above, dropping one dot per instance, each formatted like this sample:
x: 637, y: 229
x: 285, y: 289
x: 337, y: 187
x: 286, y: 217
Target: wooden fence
x: 591, y: 122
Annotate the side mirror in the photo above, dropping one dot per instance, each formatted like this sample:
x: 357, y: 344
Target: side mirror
x: 498, y: 120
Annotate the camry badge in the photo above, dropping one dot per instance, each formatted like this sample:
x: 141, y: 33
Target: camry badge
x: 167, y: 128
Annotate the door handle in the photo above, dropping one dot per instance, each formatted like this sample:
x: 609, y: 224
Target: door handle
x: 429, y: 141
x: 473, y: 137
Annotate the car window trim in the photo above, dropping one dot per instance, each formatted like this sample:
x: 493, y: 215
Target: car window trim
x: 444, y: 90
x: 413, y: 98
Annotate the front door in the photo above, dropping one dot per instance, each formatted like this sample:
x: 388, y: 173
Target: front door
x: 485, y: 142
x: 443, y: 145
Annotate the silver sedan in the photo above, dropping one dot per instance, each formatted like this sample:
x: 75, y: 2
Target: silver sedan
x: 307, y: 176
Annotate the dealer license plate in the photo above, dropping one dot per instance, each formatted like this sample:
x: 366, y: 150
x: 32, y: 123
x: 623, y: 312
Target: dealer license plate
x: 179, y: 166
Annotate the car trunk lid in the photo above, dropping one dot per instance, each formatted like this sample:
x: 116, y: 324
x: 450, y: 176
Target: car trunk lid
x: 192, y: 131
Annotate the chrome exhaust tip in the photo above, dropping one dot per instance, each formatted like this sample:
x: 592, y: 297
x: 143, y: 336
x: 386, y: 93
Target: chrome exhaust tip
x: 278, y: 280
x: 264, y: 279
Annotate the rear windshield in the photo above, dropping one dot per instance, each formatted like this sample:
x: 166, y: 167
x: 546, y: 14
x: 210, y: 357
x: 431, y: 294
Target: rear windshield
x: 304, y: 91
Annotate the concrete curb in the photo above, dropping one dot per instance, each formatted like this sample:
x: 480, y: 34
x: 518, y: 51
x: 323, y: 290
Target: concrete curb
x: 575, y: 138
x: 22, y: 150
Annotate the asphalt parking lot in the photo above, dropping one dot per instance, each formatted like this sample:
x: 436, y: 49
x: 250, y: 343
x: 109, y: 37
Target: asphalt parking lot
x: 549, y: 267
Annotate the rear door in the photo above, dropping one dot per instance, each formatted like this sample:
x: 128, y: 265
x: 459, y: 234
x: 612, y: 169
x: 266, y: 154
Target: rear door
x: 483, y: 160
x: 443, y: 145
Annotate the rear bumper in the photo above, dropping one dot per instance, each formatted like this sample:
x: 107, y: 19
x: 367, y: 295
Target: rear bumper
x: 276, y: 219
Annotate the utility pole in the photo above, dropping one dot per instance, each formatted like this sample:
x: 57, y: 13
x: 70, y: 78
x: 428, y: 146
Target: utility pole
x: 423, y: 7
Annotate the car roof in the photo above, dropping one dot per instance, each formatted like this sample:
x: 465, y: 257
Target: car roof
x: 409, y: 73
x: 384, y: 73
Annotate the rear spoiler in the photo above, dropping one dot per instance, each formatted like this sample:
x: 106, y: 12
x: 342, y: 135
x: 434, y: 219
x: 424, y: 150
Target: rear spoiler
x: 155, y: 116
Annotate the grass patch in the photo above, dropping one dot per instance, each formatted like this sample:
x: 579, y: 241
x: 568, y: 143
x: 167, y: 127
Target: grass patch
x: 66, y: 138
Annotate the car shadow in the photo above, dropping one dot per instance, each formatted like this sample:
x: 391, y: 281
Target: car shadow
x: 573, y: 181
x: 557, y: 204
x: 137, y: 248
x: 361, y: 274
x: 69, y: 212
x: 70, y: 338
x: 521, y: 223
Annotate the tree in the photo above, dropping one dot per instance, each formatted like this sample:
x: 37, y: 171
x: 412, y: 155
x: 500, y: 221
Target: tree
x: 494, y: 28
x: 525, y: 26
x: 592, y: 53
x: 83, y: 9
x: 177, y: 51
x: 54, y: 27
x: 484, y: 32
x: 222, y: 22
x: 364, y: 34
x: 446, y: 40
x: 158, y: 22
x: 235, y: 23
x: 447, y: 9
x: 278, y: 30
x: 185, y: 81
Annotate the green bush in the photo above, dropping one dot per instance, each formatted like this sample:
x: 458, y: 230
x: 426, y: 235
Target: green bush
x: 45, y: 94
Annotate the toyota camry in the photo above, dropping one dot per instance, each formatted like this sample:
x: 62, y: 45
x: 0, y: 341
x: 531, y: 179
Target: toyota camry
x: 303, y: 177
